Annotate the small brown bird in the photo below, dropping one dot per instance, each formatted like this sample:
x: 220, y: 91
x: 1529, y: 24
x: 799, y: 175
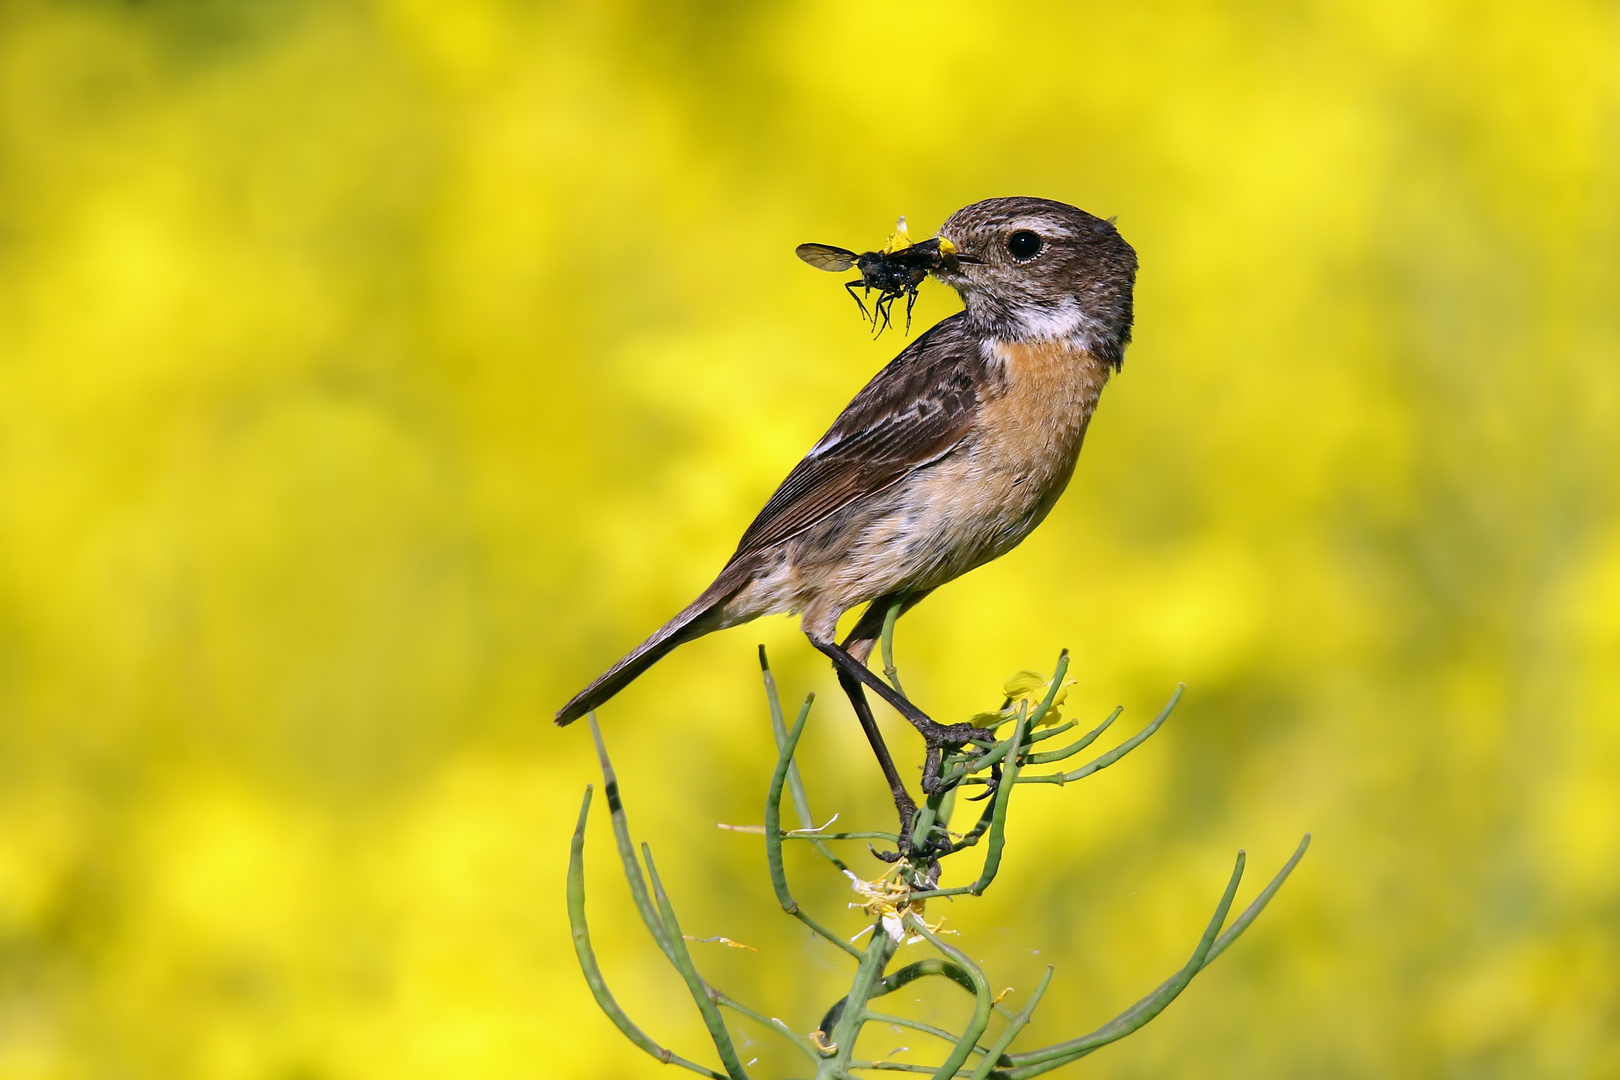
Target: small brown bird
x: 947, y: 459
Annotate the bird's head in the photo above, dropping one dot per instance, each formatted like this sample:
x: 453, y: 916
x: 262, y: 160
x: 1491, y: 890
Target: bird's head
x: 1034, y: 269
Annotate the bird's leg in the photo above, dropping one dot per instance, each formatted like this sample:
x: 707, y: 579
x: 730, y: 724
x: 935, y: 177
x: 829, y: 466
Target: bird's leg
x: 903, y: 802
x: 935, y: 735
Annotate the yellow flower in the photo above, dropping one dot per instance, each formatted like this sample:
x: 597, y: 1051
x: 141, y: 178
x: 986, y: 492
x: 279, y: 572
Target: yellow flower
x: 1031, y: 687
x: 899, y: 240
x: 887, y: 898
x: 1027, y: 688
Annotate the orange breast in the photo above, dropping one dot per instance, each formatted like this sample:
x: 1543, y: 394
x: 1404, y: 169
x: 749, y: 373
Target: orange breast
x: 977, y: 504
x: 1031, y: 423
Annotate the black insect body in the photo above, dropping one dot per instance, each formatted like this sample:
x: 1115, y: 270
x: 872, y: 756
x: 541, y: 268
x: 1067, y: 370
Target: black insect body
x: 894, y: 272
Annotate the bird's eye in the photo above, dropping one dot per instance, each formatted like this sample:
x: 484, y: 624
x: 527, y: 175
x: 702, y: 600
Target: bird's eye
x: 1024, y: 244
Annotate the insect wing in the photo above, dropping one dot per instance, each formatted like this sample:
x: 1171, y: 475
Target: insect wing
x: 826, y: 257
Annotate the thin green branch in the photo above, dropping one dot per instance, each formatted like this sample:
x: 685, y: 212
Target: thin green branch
x: 848, y: 1028
x: 886, y: 643
x: 934, y: 966
x: 795, y: 783
x: 1051, y: 691
x: 1252, y: 912
x: 1004, y: 1040
x: 996, y: 812
x: 805, y: 1046
x: 773, y: 833
x: 900, y: 1066
x: 1047, y: 1058
x: 813, y: 834
x: 1100, y: 763
x: 917, y: 1025
x: 701, y: 993
x: 924, y: 823
x: 1078, y: 745
x: 627, y: 847
x: 922, y: 969
x: 982, y: 1002
x: 1003, y: 798
x: 1054, y: 731
x: 593, y: 970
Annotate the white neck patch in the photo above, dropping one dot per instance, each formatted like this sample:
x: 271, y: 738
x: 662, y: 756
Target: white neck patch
x: 1064, y: 321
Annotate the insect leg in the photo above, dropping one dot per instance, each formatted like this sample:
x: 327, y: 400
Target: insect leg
x: 850, y: 287
x: 882, y: 308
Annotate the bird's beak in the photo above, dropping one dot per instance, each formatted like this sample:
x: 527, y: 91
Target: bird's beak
x: 949, y: 257
x: 949, y: 260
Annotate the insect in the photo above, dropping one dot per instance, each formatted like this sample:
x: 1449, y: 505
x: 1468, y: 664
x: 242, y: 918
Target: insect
x: 895, y: 271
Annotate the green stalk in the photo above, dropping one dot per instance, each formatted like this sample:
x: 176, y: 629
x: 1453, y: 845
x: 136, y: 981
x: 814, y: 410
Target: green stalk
x: 981, y: 993
x: 593, y: 970
x: 999, y: 1047
x: 848, y: 1028
x: 795, y: 783
x: 627, y: 848
x: 773, y: 834
x: 701, y: 993
x: 1043, y: 1060
x: 886, y: 643
x: 1078, y: 745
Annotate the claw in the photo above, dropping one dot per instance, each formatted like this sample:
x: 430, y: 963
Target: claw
x: 990, y: 785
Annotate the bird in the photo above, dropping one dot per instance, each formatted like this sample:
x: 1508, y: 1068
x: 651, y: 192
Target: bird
x: 948, y: 458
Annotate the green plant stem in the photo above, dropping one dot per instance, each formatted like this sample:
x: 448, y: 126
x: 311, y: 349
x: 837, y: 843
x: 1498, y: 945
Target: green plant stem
x: 1105, y: 760
x: 1252, y: 912
x: 627, y: 848
x: 1054, y: 731
x: 922, y: 969
x: 1004, y: 1040
x: 934, y: 966
x: 1047, y: 1058
x: 1078, y: 745
x: 701, y: 993
x: 848, y: 1028
x: 593, y: 970
x: 886, y: 643
x: 773, y: 835
x: 981, y: 994
x: 916, y: 1025
x: 805, y: 1046
x: 795, y: 783
x: 898, y: 1066
x: 1003, y: 799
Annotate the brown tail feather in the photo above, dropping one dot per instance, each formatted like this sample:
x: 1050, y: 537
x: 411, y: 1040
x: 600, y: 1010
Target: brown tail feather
x: 700, y: 617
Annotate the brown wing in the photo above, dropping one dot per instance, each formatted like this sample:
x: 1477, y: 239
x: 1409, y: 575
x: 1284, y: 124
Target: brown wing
x: 826, y: 257
x: 914, y: 411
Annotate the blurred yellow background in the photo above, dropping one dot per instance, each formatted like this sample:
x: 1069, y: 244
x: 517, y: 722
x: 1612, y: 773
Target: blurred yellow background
x: 373, y: 374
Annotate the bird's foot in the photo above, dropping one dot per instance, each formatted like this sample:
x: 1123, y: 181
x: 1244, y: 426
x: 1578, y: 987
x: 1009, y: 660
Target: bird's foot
x: 941, y: 737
